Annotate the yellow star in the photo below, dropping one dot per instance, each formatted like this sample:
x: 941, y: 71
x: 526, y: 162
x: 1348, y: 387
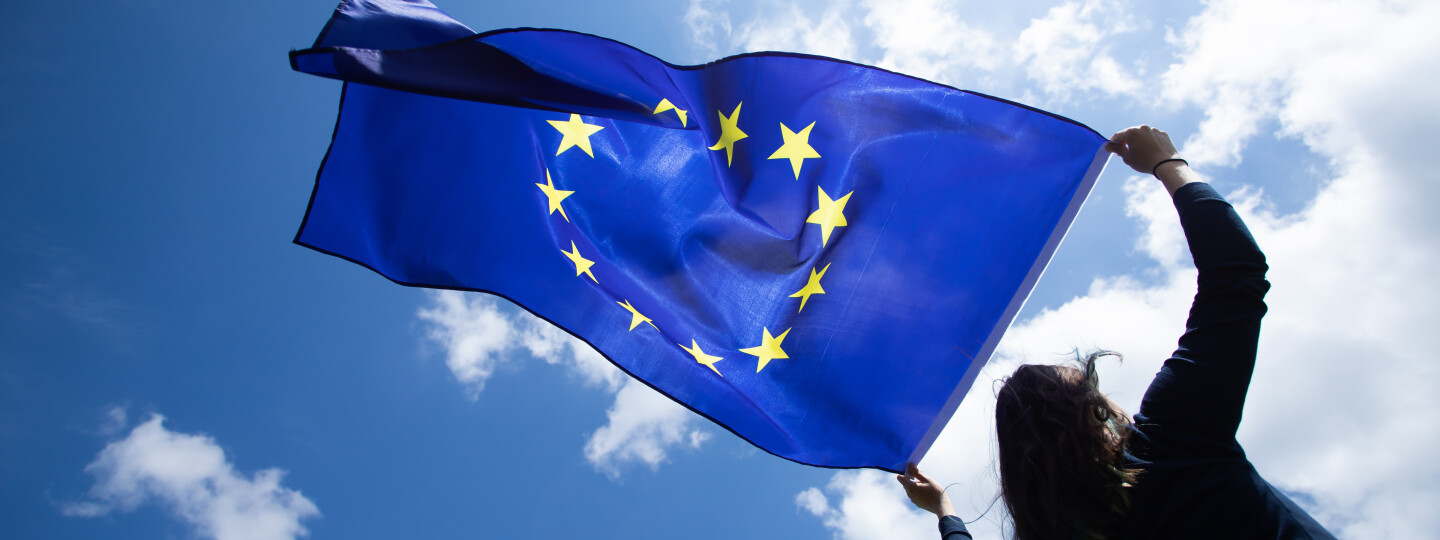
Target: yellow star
x: 635, y: 317
x: 811, y: 287
x: 576, y: 132
x: 665, y: 105
x: 701, y: 357
x: 729, y: 133
x: 830, y: 215
x: 582, y: 265
x: 768, y: 350
x: 554, y: 195
x: 796, y: 148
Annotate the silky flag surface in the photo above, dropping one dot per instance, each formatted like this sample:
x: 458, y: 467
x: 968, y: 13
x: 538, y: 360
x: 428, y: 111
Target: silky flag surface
x: 816, y: 255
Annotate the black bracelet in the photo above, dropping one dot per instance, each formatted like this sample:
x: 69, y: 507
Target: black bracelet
x: 1164, y: 161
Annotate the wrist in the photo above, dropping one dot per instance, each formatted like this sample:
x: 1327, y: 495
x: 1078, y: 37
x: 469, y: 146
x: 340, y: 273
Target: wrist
x: 1168, y: 165
x: 1174, y: 173
x: 946, y: 509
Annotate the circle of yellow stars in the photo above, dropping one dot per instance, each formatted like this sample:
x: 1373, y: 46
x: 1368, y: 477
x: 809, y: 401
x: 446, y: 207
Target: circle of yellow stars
x: 796, y: 148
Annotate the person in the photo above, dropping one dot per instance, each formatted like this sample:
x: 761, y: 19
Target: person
x: 1073, y: 465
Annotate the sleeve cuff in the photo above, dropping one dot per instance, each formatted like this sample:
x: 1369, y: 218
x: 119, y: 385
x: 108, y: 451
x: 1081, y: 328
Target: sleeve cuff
x: 951, y: 528
x: 1194, y: 192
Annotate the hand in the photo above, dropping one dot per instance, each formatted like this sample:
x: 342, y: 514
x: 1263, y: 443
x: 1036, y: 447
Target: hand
x: 924, y: 492
x: 1142, y: 147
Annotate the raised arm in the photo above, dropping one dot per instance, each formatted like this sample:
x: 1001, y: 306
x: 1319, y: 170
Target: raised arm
x: 1197, y: 399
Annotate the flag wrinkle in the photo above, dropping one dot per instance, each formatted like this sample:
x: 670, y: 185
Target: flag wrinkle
x: 808, y: 252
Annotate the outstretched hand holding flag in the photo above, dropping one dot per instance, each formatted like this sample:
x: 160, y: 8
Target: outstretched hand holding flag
x: 817, y: 255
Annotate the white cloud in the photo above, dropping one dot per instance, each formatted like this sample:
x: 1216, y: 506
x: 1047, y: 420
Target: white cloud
x: 642, y: 426
x: 928, y: 39
x: 557, y: 348
x: 1317, y: 67
x: 867, y: 508
x: 473, y: 332
x: 1063, y: 50
x: 1354, y: 302
x: 790, y: 29
x: 707, y: 27
x: 779, y: 26
x: 190, y: 476
x: 1344, y: 406
x: 1066, y: 50
x: 813, y: 501
x: 115, y: 420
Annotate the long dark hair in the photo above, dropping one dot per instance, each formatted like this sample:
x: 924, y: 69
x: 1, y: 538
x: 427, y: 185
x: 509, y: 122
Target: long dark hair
x: 1061, y: 447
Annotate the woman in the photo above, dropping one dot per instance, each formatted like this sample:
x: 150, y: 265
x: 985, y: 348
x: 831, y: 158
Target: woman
x: 1074, y: 466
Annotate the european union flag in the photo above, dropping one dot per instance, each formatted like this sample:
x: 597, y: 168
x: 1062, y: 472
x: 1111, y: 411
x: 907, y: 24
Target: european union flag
x: 817, y: 255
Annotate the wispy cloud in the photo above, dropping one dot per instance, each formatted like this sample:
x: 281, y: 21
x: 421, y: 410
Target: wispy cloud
x: 709, y: 26
x: 59, y: 281
x: 930, y: 39
x: 815, y: 29
x: 115, y: 421
x: 1065, y: 51
x: 790, y: 29
x: 191, y: 478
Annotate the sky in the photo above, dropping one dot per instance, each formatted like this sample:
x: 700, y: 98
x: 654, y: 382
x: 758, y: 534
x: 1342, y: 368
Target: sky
x: 172, y: 366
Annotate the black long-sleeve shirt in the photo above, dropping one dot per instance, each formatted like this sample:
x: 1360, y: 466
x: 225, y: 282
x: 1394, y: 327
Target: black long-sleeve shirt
x: 1195, y: 480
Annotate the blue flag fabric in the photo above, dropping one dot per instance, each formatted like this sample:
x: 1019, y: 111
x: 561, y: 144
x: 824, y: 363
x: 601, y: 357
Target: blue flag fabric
x: 817, y: 255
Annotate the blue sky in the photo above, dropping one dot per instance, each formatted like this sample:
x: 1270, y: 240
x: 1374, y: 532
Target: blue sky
x: 157, y: 159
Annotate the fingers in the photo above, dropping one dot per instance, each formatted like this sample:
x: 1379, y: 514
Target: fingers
x: 1141, y: 147
x: 905, y: 482
x: 909, y: 480
x: 1166, y: 138
x: 912, y: 487
x: 924, y: 492
x: 922, y: 477
x: 1126, y: 134
x: 1119, y: 143
x: 914, y: 477
x: 1122, y: 136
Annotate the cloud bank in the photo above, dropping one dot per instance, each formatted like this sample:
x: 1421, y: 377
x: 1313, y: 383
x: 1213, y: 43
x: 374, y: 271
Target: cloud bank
x: 190, y: 477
